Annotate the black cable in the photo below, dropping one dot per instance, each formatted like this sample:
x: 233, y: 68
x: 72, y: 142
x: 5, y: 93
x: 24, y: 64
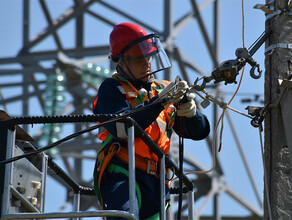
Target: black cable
x: 47, y: 118
x: 49, y: 146
x: 180, y: 187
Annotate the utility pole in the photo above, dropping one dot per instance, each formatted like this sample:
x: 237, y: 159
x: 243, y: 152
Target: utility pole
x: 278, y: 119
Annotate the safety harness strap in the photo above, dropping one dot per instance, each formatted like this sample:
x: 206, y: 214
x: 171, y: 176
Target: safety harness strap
x: 113, y: 168
x: 98, y: 177
x: 108, y: 139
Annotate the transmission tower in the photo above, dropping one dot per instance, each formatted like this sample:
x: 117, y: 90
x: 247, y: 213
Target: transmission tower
x: 64, y: 77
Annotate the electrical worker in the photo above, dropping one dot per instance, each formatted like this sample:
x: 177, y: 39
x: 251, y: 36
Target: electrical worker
x: 138, y: 56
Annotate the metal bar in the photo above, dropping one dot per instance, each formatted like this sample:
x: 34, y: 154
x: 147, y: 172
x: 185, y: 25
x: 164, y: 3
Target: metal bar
x: 3, y: 169
x: 132, y: 176
x: 254, y: 210
x: 36, y: 87
x: 191, y: 205
x: 44, y: 181
x: 27, y: 71
x: 65, y: 177
x: 181, y: 65
x: 216, y: 21
x: 53, y: 215
x: 63, y: 19
x: 25, y: 40
x: 79, y: 38
x: 100, y: 17
x: 19, y: 84
x: 53, y: 54
x: 126, y: 15
x: 204, y: 32
x: 25, y: 202
x: 162, y: 188
x: 167, y: 32
x: 209, y: 196
x: 186, y: 19
x: 50, y: 22
x: 25, y: 23
x: 9, y: 142
x: 216, y: 206
x: 76, y: 203
x: 16, y: 98
x: 79, y: 25
x: 168, y: 17
x: 191, y: 64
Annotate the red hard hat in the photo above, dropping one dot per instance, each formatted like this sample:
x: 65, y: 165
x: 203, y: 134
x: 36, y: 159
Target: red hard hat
x: 123, y: 38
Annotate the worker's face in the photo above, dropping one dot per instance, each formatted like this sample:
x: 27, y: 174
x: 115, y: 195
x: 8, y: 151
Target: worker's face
x: 139, y: 67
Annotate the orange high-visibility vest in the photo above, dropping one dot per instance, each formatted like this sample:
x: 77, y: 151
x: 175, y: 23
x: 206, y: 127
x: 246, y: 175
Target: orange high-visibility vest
x: 157, y: 131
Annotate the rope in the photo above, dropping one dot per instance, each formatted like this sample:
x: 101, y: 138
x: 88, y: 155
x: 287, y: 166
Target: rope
x: 241, y: 77
x: 224, y: 107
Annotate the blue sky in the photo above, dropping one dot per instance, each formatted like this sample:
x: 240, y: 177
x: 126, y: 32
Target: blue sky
x: 190, y: 41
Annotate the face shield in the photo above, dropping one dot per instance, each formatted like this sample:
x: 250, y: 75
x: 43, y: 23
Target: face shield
x: 145, y: 56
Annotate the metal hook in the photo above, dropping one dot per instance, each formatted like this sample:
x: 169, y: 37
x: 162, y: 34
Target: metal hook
x: 199, y: 87
x: 255, y: 122
x: 252, y: 72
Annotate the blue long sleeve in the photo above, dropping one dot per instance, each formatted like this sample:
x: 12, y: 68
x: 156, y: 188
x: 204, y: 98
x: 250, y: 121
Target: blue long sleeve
x: 195, y: 128
x: 111, y: 101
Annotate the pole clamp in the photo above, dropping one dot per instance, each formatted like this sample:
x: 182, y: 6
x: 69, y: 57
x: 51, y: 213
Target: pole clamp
x: 277, y: 45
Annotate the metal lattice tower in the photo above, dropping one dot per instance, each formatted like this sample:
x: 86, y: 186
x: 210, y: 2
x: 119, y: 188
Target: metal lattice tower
x: 34, y: 66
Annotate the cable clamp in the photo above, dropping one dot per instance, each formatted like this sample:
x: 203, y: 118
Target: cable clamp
x: 258, y: 113
x: 277, y: 45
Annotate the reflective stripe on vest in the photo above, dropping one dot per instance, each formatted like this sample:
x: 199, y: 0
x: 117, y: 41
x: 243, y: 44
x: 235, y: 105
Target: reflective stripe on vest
x: 157, y: 130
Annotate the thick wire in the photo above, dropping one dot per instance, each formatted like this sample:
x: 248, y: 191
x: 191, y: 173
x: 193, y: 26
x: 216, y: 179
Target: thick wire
x: 50, y: 146
x: 181, y: 158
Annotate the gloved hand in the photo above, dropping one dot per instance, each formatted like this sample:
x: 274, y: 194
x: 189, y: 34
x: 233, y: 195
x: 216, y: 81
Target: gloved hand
x: 172, y: 93
x: 189, y: 108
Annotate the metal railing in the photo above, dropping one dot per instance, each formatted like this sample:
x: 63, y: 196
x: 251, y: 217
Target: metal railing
x: 133, y: 130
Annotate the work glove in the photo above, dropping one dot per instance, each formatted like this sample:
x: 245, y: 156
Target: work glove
x: 189, y: 108
x: 172, y: 93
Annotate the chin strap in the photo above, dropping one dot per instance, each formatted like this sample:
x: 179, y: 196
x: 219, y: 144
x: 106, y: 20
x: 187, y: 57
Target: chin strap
x: 124, y: 74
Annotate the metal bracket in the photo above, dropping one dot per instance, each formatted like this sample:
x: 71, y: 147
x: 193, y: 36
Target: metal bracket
x: 258, y: 113
x: 254, y: 110
x: 277, y: 13
x: 277, y: 45
x: 285, y: 83
x: 285, y: 79
x: 269, y: 9
x: 265, y: 8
